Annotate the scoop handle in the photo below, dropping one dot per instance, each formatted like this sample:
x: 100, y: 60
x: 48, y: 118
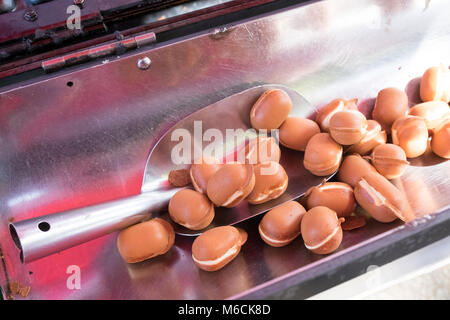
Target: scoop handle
x: 42, y: 236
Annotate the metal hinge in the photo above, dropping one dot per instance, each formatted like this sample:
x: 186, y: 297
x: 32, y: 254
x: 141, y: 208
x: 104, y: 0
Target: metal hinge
x: 117, y: 47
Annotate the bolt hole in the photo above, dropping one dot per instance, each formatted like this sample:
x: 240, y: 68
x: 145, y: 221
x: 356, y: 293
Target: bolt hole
x: 69, y: 83
x: 44, y: 226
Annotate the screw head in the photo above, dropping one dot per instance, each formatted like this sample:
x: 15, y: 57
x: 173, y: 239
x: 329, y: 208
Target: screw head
x: 144, y: 63
x: 30, y: 15
x: 220, y: 30
x: 220, y: 33
x: 79, y: 3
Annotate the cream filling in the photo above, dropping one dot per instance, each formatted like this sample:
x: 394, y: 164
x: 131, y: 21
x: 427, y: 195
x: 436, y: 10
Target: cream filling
x: 335, y: 231
x: 326, y: 120
x: 380, y: 200
x: 332, y: 187
x: 196, y: 186
x: 369, y: 136
x: 390, y: 160
x: 274, y: 240
x: 258, y: 145
x: 227, y: 254
x: 363, y: 130
x: 265, y: 195
x: 233, y: 197
x: 377, y: 197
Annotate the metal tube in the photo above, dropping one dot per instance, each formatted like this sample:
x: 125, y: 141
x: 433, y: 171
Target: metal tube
x: 41, y: 236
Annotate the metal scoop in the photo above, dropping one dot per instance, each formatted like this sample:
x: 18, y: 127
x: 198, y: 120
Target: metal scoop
x: 45, y: 235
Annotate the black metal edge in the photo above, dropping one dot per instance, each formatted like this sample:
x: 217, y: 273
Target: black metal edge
x: 355, y: 262
x: 4, y: 279
x: 236, y: 17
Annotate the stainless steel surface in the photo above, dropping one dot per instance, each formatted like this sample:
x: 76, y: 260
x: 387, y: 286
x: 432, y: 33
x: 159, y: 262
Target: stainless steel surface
x: 232, y: 113
x: 41, y: 236
x: 44, y: 235
x: 66, y: 147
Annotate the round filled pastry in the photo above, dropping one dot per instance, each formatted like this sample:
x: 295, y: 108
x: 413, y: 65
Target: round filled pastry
x: 270, y: 110
x: 145, y: 240
x: 337, y: 196
x: 216, y: 247
x: 325, y: 113
x: 231, y: 184
x: 295, y: 132
x: 281, y: 225
x: 353, y: 168
x: 411, y: 134
x: 321, y: 230
x: 322, y: 155
x: 389, y: 160
x: 348, y: 127
x: 191, y: 209
x: 380, y: 198
x: 271, y: 182
x: 201, y: 172
x: 390, y: 104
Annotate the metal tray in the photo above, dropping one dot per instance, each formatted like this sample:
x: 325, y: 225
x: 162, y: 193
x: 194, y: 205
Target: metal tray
x: 82, y: 136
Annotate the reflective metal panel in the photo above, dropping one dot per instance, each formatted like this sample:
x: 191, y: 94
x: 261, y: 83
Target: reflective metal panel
x: 65, y: 146
x: 44, y: 235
